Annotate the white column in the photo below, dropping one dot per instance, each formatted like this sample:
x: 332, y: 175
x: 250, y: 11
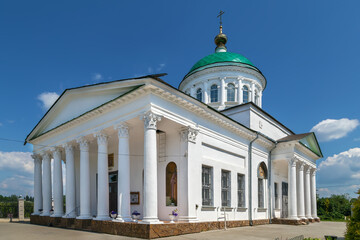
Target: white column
x: 222, y: 92
x: 38, y: 201
x: 188, y: 174
x: 205, y: 93
x: 70, y: 181
x: 313, y: 194
x: 292, y: 204
x: 84, y: 179
x: 300, y: 192
x: 46, y: 184
x: 150, y: 169
x: 307, y: 193
x: 58, y: 184
x: 103, y: 177
x: 252, y: 96
x: 239, y: 93
x: 123, y: 174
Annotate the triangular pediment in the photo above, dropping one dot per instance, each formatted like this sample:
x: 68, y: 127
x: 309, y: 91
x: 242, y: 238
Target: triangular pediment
x: 77, y: 101
x: 308, y: 140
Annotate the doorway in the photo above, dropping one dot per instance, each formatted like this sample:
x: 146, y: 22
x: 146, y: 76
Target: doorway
x: 284, y: 205
x: 113, y: 187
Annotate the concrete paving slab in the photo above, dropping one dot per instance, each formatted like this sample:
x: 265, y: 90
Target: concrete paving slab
x: 16, y: 231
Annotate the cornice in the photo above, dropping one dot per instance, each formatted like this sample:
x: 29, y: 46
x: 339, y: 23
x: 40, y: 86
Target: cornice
x: 191, y: 105
x: 222, y: 69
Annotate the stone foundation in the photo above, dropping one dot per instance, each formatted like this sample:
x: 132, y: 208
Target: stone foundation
x: 147, y: 231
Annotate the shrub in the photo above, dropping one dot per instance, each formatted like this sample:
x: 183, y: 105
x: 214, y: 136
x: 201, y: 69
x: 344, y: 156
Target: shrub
x: 353, y: 225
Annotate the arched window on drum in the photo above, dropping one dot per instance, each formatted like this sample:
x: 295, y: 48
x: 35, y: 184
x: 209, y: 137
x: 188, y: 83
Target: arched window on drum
x: 214, y: 93
x: 199, y: 94
x: 245, y: 94
x: 231, y: 92
x: 171, y: 184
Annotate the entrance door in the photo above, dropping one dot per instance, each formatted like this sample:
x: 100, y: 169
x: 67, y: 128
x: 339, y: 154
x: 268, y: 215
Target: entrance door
x: 113, y: 177
x: 284, y: 205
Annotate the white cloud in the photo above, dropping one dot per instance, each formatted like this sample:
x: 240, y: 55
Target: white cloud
x: 331, y: 129
x: 18, y: 161
x: 48, y: 99
x: 18, y: 185
x: 161, y: 66
x: 340, y: 173
x: 97, y: 77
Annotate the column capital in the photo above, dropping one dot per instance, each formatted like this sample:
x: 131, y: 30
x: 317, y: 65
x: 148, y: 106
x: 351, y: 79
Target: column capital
x: 102, y: 137
x: 37, y: 157
x: 56, y: 150
x: 301, y: 165
x: 69, y: 148
x: 45, y: 155
x: 292, y: 161
x: 83, y: 142
x: 313, y: 171
x: 150, y: 120
x: 189, y: 134
x: 123, y: 130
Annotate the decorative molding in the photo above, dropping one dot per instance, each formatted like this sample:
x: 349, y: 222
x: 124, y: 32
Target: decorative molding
x: 123, y: 130
x: 222, y: 69
x: 308, y: 169
x: 150, y: 120
x: 192, y: 106
x: 189, y: 134
x: 313, y: 171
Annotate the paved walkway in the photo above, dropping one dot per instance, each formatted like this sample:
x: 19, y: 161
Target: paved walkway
x: 16, y: 231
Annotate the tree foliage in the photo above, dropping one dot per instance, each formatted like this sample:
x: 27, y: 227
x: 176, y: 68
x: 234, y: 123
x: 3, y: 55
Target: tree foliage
x: 335, y: 207
x: 9, y: 205
x: 353, y: 226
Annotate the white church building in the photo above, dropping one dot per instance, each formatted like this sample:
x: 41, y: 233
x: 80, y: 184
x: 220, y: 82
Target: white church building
x: 206, y: 148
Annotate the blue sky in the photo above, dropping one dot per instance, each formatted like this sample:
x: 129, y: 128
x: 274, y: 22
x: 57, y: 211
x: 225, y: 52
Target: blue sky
x: 308, y: 51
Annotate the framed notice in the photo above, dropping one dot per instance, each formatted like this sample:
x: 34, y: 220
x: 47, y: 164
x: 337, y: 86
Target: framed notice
x: 134, y: 198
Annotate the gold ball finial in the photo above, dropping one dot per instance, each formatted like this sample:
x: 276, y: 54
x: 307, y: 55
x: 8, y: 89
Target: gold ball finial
x: 221, y: 38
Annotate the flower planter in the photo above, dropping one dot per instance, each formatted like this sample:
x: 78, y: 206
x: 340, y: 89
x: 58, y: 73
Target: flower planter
x: 172, y: 218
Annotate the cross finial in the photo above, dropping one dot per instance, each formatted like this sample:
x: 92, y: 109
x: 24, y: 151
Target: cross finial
x: 220, y: 15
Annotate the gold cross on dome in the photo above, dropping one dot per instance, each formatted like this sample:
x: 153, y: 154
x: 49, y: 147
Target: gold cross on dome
x: 220, y: 15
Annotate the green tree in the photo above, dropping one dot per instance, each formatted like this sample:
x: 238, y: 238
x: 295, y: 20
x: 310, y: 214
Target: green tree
x: 335, y: 207
x: 353, y: 226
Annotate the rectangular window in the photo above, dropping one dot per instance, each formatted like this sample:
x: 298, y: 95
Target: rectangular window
x: 241, y: 190
x: 207, y: 186
x: 260, y: 193
x: 276, y: 193
x: 225, y: 188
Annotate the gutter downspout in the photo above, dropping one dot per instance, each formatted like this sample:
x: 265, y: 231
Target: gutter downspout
x: 269, y: 183
x: 250, y: 178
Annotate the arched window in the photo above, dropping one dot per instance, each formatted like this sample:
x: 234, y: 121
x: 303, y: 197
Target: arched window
x: 256, y: 97
x: 214, y: 93
x: 171, y: 184
x: 199, y: 94
x: 262, y: 176
x: 245, y: 94
x: 231, y: 92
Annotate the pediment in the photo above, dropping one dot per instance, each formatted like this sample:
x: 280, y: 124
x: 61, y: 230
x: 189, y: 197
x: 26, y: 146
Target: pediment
x: 77, y: 101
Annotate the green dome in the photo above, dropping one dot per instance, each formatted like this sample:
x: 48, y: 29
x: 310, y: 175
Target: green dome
x: 221, y: 59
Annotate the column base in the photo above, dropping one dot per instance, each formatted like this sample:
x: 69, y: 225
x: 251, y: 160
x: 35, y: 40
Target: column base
x: 35, y: 214
x: 188, y: 219
x: 151, y: 221
x: 122, y: 219
x: 309, y: 217
x: 57, y: 215
x: 293, y: 218
x: 84, y: 217
x: 102, y: 218
x: 69, y: 216
x: 45, y: 214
